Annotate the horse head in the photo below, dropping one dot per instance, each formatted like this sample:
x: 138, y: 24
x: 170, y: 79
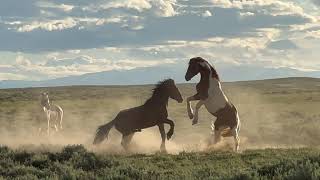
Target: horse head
x: 169, y: 88
x: 199, y: 65
x: 174, y: 92
x: 44, y: 98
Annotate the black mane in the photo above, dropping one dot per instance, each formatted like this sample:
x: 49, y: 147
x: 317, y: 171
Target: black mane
x: 160, y: 95
x: 214, y: 72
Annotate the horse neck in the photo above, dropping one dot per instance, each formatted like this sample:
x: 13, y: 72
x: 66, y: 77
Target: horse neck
x: 205, y: 78
x: 46, y: 104
x: 158, y: 100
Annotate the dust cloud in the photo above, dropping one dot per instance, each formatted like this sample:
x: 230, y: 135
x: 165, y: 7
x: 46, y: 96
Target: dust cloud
x: 265, y: 123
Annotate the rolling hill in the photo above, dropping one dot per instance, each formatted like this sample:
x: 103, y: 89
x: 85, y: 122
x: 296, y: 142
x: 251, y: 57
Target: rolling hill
x: 150, y: 75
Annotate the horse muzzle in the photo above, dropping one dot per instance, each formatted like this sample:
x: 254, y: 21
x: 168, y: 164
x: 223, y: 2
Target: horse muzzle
x: 188, y: 78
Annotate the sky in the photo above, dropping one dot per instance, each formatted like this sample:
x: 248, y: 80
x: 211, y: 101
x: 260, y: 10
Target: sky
x: 47, y: 39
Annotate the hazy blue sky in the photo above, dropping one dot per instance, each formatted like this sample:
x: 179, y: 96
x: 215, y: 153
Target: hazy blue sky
x: 44, y: 39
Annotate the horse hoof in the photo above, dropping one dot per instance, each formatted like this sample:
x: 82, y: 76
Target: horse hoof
x: 190, y: 115
x: 194, y: 122
x: 169, y: 135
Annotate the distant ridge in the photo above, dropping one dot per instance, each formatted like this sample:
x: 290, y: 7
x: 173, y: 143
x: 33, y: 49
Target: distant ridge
x: 150, y: 75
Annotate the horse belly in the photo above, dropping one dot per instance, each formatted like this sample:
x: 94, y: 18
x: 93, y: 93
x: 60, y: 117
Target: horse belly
x: 147, y: 122
x: 132, y: 120
x: 213, y: 106
x: 227, y: 117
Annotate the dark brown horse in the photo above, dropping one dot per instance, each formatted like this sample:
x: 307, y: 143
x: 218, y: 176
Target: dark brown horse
x: 152, y: 113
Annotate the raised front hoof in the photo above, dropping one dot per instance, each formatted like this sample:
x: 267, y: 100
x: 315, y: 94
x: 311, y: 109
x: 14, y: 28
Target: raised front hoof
x: 190, y: 115
x: 169, y: 135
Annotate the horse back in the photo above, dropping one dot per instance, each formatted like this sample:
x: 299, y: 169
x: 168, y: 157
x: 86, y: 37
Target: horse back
x: 56, y: 108
x: 137, y: 118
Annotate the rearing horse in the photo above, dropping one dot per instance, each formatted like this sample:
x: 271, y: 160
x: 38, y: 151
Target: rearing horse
x: 210, y: 94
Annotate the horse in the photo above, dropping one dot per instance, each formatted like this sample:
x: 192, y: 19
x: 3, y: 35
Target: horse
x: 53, y: 113
x: 152, y: 113
x: 210, y: 94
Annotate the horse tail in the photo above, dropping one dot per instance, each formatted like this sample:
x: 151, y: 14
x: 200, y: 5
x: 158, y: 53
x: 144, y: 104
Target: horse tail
x: 102, y: 132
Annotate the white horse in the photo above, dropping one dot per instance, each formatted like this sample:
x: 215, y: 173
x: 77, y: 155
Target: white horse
x: 53, y: 113
x: 210, y: 94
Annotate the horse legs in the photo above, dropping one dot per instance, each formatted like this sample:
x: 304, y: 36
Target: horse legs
x: 189, y: 108
x: 235, y: 134
x: 56, y: 128
x: 48, y: 125
x: 236, y: 139
x: 171, y: 130
x: 217, y: 136
x: 61, y: 118
x: 126, y: 139
x: 196, y: 116
x: 163, y: 138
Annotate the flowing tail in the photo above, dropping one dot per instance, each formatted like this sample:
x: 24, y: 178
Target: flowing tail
x: 102, y: 132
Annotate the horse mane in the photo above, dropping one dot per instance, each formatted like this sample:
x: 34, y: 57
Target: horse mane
x: 203, y: 85
x: 158, y: 92
x: 212, y: 69
x: 214, y: 72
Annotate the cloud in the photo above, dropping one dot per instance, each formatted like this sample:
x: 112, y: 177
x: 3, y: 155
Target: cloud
x: 138, y: 5
x: 11, y: 76
x: 282, y: 45
x: 207, y: 14
x: 50, y: 5
x: 147, y: 22
x: 223, y: 3
x: 70, y: 37
x: 82, y: 60
x: 67, y: 23
x: 53, y: 25
x: 316, y: 2
x: 246, y: 14
x: 164, y: 8
x: 270, y: 7
x: 60, y: 67
x: 21, y: 61
x: 18, y: 8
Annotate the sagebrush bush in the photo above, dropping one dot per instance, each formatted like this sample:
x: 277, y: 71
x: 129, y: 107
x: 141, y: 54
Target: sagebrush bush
x: 75, y: 162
